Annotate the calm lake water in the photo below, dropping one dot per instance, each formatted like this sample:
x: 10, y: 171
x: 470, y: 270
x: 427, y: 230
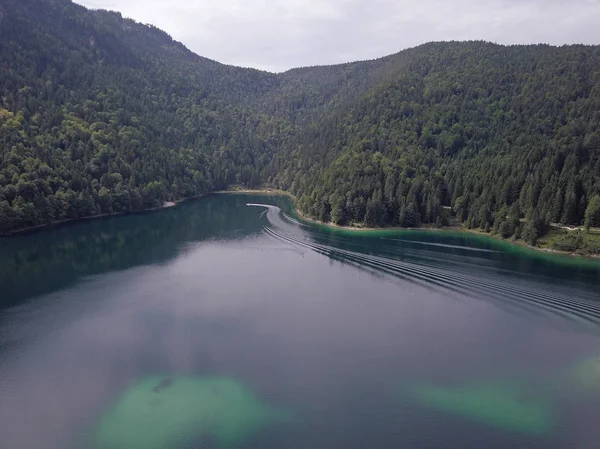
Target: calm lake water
x: 218, y: 324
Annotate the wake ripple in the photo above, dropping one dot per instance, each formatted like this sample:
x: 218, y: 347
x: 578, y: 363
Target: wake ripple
x: 534, y: 298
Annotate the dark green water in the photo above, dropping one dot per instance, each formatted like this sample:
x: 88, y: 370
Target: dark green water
x: 216, y: 324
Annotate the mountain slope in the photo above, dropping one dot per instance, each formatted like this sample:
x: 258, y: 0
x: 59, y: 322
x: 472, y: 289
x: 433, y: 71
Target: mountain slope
x: 100, y: 114
x: 473, y: 126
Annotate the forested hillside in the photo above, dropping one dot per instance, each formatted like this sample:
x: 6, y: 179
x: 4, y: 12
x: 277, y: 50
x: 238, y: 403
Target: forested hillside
x: 487, y: 133
x: 100, y: 114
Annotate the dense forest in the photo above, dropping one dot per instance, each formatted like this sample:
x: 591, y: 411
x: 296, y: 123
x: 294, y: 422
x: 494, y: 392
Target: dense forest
x: 100, y: 114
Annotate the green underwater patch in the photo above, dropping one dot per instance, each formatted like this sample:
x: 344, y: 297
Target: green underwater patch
x: 587, y: 373
x: 504, y: 407
x: 174, y: 412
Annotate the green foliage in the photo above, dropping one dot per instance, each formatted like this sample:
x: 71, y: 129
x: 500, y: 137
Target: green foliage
x: 592, y: 213
x: 493, y: 134
x: 572, y: 241
x: 569, y: 241
x: 536, y: 226
x: 99, y: 114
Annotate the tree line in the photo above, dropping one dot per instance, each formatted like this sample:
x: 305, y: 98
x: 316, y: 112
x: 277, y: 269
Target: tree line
x: 100, y: 114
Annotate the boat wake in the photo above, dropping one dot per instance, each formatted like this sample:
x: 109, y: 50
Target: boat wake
x: 508, y: 293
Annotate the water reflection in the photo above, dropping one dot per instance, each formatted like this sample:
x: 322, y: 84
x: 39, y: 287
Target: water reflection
x: 57, y: 257
x: 364, y: 340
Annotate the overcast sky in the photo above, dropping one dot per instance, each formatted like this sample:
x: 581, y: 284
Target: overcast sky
x: 276, y: 35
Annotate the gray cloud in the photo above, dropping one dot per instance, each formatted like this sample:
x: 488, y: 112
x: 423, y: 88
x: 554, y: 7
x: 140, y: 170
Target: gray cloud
x: 276, y: 35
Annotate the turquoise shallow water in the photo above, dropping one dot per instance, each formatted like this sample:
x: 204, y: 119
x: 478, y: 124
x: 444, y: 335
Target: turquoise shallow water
x: 265, y: 332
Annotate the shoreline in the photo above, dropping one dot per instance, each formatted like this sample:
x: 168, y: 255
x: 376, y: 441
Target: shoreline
x: 68, y: 221
x: 306, y: 219
x: 456, y: 229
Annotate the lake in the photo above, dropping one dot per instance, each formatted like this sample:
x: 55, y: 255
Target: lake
x: 226, y: 322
